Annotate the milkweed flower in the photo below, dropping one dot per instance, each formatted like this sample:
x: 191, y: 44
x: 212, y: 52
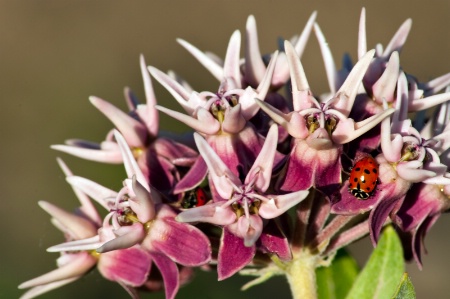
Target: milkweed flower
x: 157, y: 156
x: 245, y: 205
x: 320, y: 128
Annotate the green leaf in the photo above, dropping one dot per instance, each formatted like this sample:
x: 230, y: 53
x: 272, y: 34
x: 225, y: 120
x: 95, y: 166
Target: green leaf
x: 379, y: 278
x: 334, y: 281
x: 405, y: 289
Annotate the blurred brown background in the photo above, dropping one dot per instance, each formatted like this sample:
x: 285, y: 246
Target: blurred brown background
x: 54, y: 54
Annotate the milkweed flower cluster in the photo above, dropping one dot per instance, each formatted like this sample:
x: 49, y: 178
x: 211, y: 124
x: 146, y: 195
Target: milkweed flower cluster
x: 258, y: 154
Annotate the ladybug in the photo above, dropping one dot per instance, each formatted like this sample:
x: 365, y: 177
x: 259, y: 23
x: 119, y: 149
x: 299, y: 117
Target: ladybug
x: 363, y: 178
x: 194, y: 198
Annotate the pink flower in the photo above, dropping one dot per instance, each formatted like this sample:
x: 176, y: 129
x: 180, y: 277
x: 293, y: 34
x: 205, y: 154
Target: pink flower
x: 319, y: 129
x: 243, y: 206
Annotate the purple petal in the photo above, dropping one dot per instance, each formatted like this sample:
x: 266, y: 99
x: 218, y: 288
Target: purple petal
x: 129, y: 266
x: 233, y: 255
x: 379, y: 215
x: 419, y: 236
x: 272, y: 240
x: 183, y: 243
x: 173, y: 150
x: 193, y: 178
x: 309, y: 167
x: 169, y: 272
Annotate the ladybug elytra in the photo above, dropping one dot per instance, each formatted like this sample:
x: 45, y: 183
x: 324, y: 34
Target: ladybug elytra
x: 363, y: 178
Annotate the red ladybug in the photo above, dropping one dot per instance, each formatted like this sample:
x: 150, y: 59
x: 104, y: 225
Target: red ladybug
x: 363, y: 178
x: 194, y: 198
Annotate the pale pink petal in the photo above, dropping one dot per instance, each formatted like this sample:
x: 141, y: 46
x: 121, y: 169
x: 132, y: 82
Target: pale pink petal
x: 87, y: 207
x: 148, y: 113
x: 205, y: 123
x: 212, y: 213
x: 410, y: 171
x: 135, y: 132
x: 42, y: 289
x: 78, y: 227
x: 278, y: 204
x: 127, y: 236
x: 351, y: 85
x: 80, y: 263
x: 234, y: 121
x: 131, y: 166
x: 362, y: 36
x: 263, y: 165
x: 281, y: 73
x: 330, y: 65
x: 231, y: 65
x: 78, y: 245
x: 399, y: 39
x: 143, y: 204
x: 104, y: 196
x: 384, y: 88
x: 254, y: 65
x: 98, y: 155
x: 210, y: 64
x: 175, y: 89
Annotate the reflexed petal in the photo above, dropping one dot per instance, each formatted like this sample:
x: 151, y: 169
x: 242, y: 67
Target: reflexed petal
x: 169, y: 272
x: 274, y: 241
x: 104, y: 196
x: 135, y: 133
x: 181, y: 242
x: 78, y: 227
x: 80, y: 263
x: 129, y: 266
x: 196, y: 174
x: 148, y: 113
x: 212, y: 66
x: 233, y: 255
x: 41, y: 289
x: 380, y: 214
x: 100, y: 155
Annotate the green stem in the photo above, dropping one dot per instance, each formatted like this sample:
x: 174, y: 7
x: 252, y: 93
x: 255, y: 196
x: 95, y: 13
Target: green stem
x: 301, y: 276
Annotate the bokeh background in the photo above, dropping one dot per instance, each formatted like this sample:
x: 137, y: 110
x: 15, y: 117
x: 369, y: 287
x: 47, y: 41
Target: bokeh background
x: 54, y: 54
